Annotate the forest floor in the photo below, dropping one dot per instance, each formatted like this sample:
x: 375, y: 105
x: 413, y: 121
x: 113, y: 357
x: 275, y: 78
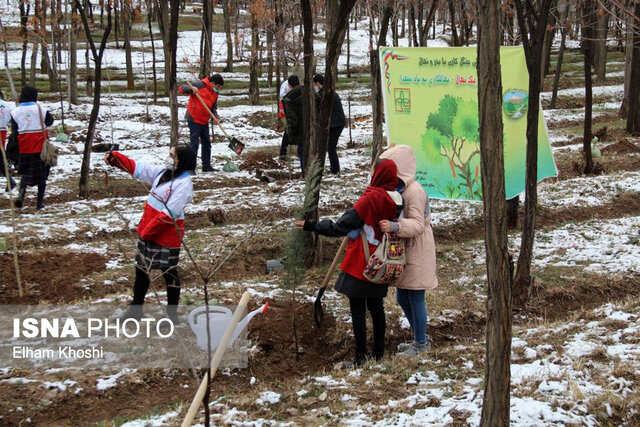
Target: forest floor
x: 576, y: 348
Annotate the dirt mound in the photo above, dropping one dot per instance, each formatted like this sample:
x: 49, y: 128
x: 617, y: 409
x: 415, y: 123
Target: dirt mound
x: 48, y: 276
x: 623, y: 147
x: 318, y: 348
x: 266, y: 120
x: 254, y: 160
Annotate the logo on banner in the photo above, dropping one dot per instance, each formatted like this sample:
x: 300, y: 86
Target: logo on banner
x: 402, y: 100
x: 515, y: 103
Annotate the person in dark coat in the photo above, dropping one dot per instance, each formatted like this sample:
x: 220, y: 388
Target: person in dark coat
x: 26, y: 127
x: 336, y: 124
x: 379, y: 201
x: 292, y: 103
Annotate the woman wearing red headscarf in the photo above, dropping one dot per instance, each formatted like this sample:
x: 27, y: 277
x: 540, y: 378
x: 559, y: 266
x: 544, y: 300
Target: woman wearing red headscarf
x: 379, y: 201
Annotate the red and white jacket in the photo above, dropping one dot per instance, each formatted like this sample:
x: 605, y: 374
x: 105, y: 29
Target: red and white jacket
x: 29, y: 126
x: 5, y: 117
x: 165, y: 205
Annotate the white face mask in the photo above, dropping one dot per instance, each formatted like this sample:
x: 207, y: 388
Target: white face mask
x: 369, y: 176
x: 317, y: 89
x: 169, y: 163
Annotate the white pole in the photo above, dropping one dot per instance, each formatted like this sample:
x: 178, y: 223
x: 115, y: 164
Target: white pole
x: 217, y: 358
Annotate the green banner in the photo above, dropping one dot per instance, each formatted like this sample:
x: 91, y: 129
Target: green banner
x: 431, y: 104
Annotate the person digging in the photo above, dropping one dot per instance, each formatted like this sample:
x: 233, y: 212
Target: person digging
x: 161, y: 228
x: 198, y: 114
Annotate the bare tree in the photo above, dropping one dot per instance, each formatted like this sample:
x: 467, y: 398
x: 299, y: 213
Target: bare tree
x: 24, y: 17
x: 495, y: 408
x: 149, y: 4
x: 588, y: 31
x: 376, y: 83
x: 206, y: 37
x: 532, y: 20
x: 72, y: 75
x: 126, y: 18
x: 318, y: 148
x: 599, y: 45
x: 93, y: 118
x: 633, y: 116
x: 226, y: 14
x: 564, y: 29
x: 168, y: 12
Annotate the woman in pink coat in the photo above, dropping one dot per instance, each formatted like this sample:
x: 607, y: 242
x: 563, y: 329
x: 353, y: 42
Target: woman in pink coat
x: 415, y: 228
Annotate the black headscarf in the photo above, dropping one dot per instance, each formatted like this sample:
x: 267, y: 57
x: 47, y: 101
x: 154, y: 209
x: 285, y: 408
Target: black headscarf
x: 28, y: 94
x: 186, y: 162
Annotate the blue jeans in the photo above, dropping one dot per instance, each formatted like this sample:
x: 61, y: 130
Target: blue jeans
x: 199, y: 134
x: 414, y: 307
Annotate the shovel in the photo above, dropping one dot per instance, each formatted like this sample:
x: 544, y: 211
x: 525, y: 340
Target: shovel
x: 318, y: 313
x: 234, y: 143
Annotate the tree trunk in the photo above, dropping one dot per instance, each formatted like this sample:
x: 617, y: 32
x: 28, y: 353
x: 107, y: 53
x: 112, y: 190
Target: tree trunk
x: 34, y: 58
x: 312, y: 240
x: 207, y: 22
x: 116, y: 4
x: 126, y: 18
x: 549, y: 36
x: 93, y: 117
x: 599, y: 46
x: 254, y: 91
x: 318, y: 149
x: 24, y: 18
x: 12, y: 86
x: 496, y: 406
x: 430, y: 17
x: 454, y: 30
x: 376, y: 85
x: 270, y: 56
x: 72, y: 78
x: 628, y: 58
x: 88, y: 75
x: 153, y: 51
x: 226, y: 13
x: 348, y: 52
x: 556, y: 78
x: 413, y: 36
x: 633, y: 117
x: 174, y: 6
x: 588, y: 32
x: 533, y: 38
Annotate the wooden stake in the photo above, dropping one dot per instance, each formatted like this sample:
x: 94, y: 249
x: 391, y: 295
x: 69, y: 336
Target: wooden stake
x: 217, y: 358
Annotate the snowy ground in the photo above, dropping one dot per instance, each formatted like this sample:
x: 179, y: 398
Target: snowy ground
x: 581, y: 369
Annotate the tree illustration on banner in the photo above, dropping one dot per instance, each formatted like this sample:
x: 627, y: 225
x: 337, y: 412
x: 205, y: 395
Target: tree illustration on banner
x: 452, y: 134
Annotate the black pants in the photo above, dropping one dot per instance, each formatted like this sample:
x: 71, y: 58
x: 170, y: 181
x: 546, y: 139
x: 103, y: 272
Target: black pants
x: 284, y: 144
x: 358, y: 317
x: 171, y: 280
x: 334, y: 136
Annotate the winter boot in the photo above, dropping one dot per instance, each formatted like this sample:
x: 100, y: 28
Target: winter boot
x: 404, y: 346
x: 133, y: 312
x: 415, y: 349
x: 172, y: 312
x: 41, y: 188
x: 18, y: 202
x: 11, y: 184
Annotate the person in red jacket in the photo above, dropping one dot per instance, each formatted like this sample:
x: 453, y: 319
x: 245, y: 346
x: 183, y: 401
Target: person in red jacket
x: 26, y: 126
x: 198, y: 117
x: 379, y: 201
x: 161, y: 228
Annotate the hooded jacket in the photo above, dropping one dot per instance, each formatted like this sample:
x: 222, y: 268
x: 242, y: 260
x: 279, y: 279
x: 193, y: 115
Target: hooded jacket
x: 292, y: 103
x: 415, y: 227
x: 195, y: 110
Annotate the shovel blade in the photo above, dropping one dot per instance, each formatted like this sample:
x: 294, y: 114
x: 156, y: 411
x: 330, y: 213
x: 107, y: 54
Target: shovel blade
x: 318, y: 312
x: 236, y: 145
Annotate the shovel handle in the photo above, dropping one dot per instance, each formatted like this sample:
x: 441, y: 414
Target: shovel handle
x: 335, y: 261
